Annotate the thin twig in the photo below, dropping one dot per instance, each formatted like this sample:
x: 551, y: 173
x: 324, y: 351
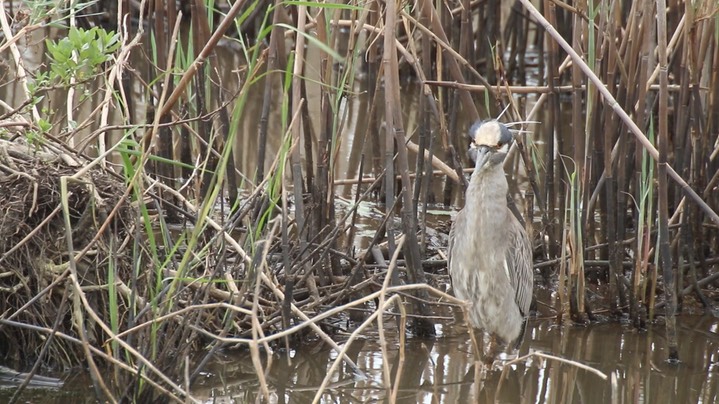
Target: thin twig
x: 507, y: 366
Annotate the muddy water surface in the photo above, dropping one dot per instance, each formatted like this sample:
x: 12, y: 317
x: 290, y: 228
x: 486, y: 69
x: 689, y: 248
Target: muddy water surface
x: 441, y: 370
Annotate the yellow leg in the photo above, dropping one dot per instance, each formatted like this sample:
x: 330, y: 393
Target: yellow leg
x: 492, y: 350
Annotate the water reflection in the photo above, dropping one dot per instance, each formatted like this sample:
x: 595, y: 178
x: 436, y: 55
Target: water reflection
x: 441, y: 370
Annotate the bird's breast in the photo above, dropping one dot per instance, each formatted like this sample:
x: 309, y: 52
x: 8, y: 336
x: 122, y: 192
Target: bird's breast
x: 486, y: 221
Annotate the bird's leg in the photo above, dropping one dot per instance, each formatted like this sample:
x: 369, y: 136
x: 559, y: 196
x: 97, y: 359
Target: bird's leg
x: 492, y: 349
x: 518, y: 344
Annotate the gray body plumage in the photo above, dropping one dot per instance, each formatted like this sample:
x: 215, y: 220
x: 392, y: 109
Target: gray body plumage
x: 490, y: 257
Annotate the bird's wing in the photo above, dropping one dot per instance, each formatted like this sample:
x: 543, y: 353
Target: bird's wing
x: 519, y: 260
x: 459, y: 218
x: 450, y: 243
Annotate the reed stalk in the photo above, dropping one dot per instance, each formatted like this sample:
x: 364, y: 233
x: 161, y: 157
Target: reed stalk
x: 668, y: 273
x: 395, y: 133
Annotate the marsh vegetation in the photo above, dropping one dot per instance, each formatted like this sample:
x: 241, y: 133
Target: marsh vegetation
x: 183, y: 179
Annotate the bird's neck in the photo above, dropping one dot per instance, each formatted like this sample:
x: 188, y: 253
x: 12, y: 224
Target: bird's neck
x: 486, y: 201
x: 488, y: 188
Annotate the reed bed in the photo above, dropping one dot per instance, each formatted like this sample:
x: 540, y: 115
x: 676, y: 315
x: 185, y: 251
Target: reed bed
x: 170, y: 175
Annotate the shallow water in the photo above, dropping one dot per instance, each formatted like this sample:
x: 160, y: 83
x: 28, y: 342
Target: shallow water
x: 438, y: 371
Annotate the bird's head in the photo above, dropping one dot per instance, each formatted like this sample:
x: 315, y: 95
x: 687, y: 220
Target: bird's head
x: 489, y: 143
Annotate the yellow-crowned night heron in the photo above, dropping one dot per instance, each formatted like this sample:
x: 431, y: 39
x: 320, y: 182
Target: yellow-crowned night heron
x: 490, y: 254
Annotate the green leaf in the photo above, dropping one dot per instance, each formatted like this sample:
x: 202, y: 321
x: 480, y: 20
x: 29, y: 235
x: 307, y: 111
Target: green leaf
x: 323, y: 5
x: 328, y: 50
x: 44, y: 125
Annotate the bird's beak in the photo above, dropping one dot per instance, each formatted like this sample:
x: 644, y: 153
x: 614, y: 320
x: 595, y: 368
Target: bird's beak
x: 480, y: 155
